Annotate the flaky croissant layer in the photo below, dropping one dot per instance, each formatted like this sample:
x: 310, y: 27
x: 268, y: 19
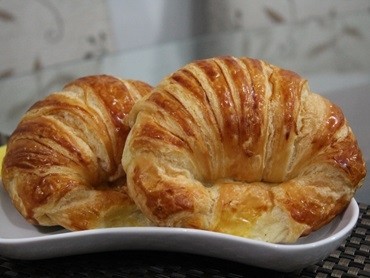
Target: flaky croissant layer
x: 63, y: 161
x: 233, y: 145
x: 240, y: 146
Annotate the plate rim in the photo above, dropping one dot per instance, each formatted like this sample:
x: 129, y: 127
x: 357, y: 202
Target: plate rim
x: 10, y: 247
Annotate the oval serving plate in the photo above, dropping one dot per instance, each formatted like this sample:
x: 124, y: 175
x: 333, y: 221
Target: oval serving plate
x: 20, y: 240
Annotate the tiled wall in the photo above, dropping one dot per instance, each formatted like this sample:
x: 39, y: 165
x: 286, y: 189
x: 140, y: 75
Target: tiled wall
x: 36, y: 34
x: 232, y: 14
x: 303, y: 35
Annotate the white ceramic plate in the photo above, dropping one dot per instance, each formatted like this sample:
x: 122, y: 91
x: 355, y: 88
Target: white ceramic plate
x: 20, y: 240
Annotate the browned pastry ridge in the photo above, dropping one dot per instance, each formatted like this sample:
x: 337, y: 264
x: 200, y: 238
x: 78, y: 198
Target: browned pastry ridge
x: 63, y: 161
x: 240, y: 146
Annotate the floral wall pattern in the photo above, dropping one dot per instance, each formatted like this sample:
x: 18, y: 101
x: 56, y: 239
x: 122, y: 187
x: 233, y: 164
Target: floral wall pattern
x: 39, y: 33
x: 36, y: 34
x: 331, y: 35
x: 46, y: 43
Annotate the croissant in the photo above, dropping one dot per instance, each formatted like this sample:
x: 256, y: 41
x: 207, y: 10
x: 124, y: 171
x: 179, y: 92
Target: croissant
x: 240, y: 146
x: 63, y: 161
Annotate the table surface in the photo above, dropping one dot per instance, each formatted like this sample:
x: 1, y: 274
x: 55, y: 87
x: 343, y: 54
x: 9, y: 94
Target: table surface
x: 351, y: 259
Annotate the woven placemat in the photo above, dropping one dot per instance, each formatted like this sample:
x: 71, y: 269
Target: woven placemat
x: 351, y: 259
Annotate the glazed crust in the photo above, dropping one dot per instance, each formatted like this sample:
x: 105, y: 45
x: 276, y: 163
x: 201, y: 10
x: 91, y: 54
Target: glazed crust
x: 63, y: 161
x: 240, y: 146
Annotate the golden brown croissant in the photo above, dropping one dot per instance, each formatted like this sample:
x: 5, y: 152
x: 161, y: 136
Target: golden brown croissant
x: 63, y: 161
x: 242, y: 147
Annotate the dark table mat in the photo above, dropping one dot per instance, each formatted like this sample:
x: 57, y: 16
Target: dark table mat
x: 351, y: 259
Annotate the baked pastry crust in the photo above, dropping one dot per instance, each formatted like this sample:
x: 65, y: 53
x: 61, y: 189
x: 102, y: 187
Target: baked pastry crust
x: 63, y: 161
x: 240, y: 146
